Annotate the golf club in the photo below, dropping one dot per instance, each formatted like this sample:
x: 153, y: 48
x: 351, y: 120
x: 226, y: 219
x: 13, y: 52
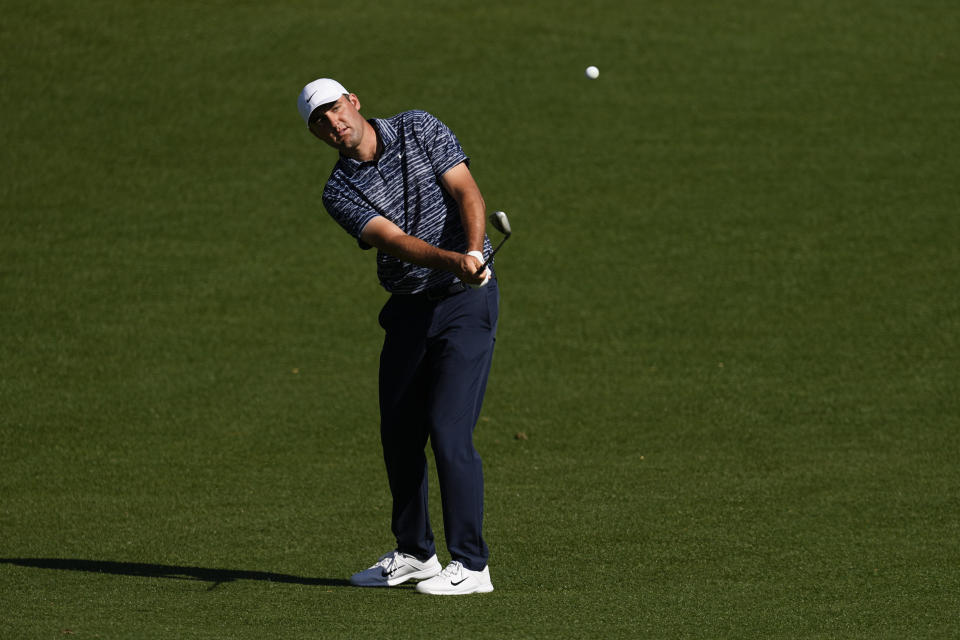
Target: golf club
x: 500, y: 222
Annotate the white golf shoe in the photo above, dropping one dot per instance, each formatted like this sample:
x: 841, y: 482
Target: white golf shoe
x: 456, y: 579
x: 395, y: 568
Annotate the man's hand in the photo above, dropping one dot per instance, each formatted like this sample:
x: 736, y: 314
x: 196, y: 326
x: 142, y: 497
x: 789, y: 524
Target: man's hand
x: 483, y: 277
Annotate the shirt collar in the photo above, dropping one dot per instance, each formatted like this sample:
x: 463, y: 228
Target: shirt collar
x: 386, y: 133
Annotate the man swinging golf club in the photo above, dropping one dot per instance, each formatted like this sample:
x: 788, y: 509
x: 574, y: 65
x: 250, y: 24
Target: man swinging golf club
x: 402, y: 185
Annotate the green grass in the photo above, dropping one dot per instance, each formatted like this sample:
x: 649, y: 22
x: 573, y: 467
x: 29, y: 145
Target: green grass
x: 730, y: 325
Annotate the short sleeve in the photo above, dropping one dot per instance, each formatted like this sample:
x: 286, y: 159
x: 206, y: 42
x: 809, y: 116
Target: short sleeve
x: 438, y: 142
x: 352, y: 215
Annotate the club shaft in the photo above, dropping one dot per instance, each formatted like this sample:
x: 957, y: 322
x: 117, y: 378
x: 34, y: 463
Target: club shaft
x: 490, y: 259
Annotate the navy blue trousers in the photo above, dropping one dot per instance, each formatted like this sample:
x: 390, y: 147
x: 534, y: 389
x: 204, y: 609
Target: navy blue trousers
x: 433, y: 374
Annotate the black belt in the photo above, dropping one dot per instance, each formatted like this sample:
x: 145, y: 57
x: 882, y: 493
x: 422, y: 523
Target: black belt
x: 444, y: 291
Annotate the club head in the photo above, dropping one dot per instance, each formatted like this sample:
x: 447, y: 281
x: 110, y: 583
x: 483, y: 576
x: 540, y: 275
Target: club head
x: 500, y: 222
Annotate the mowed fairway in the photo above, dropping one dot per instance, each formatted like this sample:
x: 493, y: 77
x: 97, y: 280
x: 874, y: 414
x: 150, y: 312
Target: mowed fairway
x: 725, y: 398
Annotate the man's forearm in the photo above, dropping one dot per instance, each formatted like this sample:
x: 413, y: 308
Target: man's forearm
x: 390, y: 239
x: 415, y: 251
x: 460, y: 184
x: 473, y: 217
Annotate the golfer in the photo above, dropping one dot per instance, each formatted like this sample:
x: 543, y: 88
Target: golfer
x: 402, y: 185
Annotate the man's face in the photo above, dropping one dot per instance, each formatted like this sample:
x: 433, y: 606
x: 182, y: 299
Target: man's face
x: 340, y: 125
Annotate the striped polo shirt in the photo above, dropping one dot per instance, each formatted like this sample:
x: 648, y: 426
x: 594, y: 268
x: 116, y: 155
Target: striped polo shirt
x: 403, y: 185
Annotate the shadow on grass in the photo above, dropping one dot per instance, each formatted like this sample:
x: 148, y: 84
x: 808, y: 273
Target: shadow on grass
x: 215, y: 576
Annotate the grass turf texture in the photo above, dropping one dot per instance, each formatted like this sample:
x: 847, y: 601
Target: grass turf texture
x: 729, y: 321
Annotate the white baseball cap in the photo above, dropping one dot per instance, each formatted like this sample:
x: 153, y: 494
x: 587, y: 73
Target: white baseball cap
x: 318, y: 92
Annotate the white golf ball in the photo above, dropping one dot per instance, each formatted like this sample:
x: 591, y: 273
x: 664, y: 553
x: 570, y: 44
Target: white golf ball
x: 592, y: 72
